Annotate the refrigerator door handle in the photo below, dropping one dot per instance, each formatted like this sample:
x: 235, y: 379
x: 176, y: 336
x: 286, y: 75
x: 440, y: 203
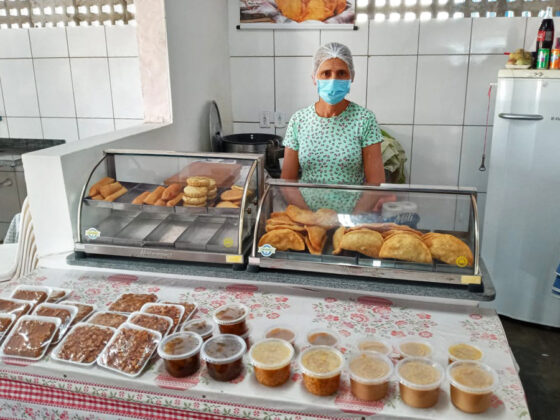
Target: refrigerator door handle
x: 523, y: 117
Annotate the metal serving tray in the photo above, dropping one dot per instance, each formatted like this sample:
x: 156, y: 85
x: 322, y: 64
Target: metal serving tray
x: 138, y: 229
x: 226, y: 238
x: 112, y: 225
x: 199, y: 234
x: 168, y: 231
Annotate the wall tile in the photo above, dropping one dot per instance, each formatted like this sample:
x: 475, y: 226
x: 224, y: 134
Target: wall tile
x: 92, y: 91
x: 296, y: 42
x: 14, y: 43
x: 54, y: 87
x: 390, y: 91
x: 533, y: 25
x: 121, y: 41
x: 294, y: 86
x: 437, y: 211
x: 441, y: 89
x: 25, y: 128
x: 497, y: 35
x: 435, y: 155
x: 48, y: 42
x: 471, y: 156
x: 89, y: 127
x: 18, y: 84
x: 252, y: 87
x: 126, y: 87
x: 357, y: 41
x: 403, y: 134
x: 358, y: 90
x: 393, y: 38
x: 247, y: 42
x: 120, y: 123
x: 60, y: 128
x: 239, y: 128
x: 451, y: 36
x: 483, y: 69
x: 281, y: 132
x: 87, y: 41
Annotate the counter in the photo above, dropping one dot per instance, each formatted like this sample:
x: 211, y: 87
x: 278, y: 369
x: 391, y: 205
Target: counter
x: 47, y: 389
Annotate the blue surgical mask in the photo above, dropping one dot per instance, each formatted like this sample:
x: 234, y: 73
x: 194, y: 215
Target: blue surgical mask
x: 333, y: 91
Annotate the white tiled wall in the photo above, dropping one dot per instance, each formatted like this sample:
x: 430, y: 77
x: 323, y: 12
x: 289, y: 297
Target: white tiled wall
x: 69, y: 83
x: 427, y: 82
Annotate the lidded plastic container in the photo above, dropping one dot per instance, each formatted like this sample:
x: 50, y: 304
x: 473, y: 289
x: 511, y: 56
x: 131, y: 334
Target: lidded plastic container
x: 200, y: 326
x: 321, y: 367
x: 419, y: 381
x: 464, y: 351
x: 271, y: 359
x: 322, y: 337
x: 181, y: 353
x: 370, y: 373
x: 415, y: 347
x: 224, y: 356
x: 471, y: 385
x: 374, y: 344
x: 231, y: 318
x: 281, y: 332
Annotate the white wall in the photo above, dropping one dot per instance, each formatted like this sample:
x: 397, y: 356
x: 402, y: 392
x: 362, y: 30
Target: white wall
x: 69, y: 83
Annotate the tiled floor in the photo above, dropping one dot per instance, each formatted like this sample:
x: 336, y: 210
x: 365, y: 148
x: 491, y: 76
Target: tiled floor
x: 537, y: 350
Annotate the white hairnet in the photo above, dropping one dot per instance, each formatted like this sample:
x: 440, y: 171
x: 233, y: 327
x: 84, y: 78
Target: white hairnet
x: 333, y: 50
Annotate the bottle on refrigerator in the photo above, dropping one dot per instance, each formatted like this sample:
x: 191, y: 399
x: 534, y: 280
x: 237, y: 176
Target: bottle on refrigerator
x: 555, y: 56
x: 545, y: 37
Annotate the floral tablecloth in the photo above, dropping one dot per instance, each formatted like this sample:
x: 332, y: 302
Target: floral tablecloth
x: 74, y: 392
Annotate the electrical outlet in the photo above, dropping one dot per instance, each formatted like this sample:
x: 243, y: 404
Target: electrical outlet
x: 266, y: 119
x: 280, y: 119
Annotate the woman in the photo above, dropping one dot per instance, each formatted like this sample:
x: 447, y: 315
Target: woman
x: 333, y: 141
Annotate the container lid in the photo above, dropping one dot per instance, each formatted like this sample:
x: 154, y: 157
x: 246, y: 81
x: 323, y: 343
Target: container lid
x: 230, y: 314
x: 313, y: 361
x: 223, y: 349
x: 181, y: 345
x: 473, y: 377
x: 271, y: 354
x: 421, y: 367
x: 415, y: 347
x: 464, y: 351
x: 370, y: 368
x: 374, y: 344
x: 199, y: 326
x: 275, y: 331
x: 322, y: 337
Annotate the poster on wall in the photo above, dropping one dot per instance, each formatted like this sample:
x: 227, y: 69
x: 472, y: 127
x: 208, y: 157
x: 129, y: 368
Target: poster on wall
x: 297, y: 14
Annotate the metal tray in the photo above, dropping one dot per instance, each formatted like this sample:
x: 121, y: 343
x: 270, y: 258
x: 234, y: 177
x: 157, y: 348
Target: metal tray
x: 112, y: 225
x: 168, y: 231
x: 139, y: 228
x: 226, y: 238
x: 200, y: 233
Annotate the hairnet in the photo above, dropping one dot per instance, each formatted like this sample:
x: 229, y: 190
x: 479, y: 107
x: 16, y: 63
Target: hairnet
x: 333, y: 50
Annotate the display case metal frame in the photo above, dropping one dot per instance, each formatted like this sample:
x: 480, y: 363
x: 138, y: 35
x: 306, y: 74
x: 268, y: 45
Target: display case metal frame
x: 319, y: 264
x: 155, y: 252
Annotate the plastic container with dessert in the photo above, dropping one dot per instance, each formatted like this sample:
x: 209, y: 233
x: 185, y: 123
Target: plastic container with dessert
x: 159, y: 323
x: 419, y: 381
x: 181, y: 353
x: 66, y: 314
x: 57, y: 294
x: 374, y: 344
x: 16, y: 307
x: 415, y: 347
x: 370, y: 373
x: 231, y: 319
x: 224, y: 356
x: 83, y: 344
x: 33, y: 294
x: 321, y: 367
x: 84, y: 311
x: 471, y: 385
x: 322, y: 337
x: 30, y: 337
x: 464, y: 351
x: 6, y: 322
x: 202, y: 327
x: 108, y: 319
x: 282, y: 332
x: 173, y: 311
x: 132, y: 302
x: 271, y: 359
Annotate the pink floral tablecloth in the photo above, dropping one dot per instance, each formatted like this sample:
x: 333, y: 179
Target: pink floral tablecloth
x: 350, y: 314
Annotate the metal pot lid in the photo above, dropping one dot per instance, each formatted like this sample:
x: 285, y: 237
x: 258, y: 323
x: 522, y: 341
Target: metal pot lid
x: 214, y: 120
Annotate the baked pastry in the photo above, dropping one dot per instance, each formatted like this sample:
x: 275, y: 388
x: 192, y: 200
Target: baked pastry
x: 316, y: 239
x: 195, y: 192
x: 154, y: 196
x: 122, y: 191
x: 200, y: 181
x: 107, y: 190
x: 232, y: 195
x: 283, y: 240
x: 171, y: 192
x: 406, y: 248
x: 175, y: 201
x: 195, y: 200
x: 194, y: 205
x: 310, y: 9
x: 449, y: 249
x: 97, y: 197
x: 337, y: 240
x: 326, y: 218
x: 227, y: 205
x: 94, y: 190
x: 160, y: 202
x: 364, y: 241
x: 384, y: 227
x: 297, y: 228
x: 140, y: 199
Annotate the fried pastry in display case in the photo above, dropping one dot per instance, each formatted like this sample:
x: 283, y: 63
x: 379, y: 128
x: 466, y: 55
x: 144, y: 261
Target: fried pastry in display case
x: 171, y: 205
x: 401, y: 232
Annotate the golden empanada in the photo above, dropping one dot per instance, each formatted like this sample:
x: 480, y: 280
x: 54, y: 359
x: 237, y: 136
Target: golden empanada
x: 406, y: 248
x: 302, y: 216
x: 385, y: 227
x: 317, y: 236
x: 284, y: 220
x: 400, y: 232
x: 326, y: 218
x: 278, y: 214
x: 388, y: 233
x: 311, y: 248
x: 283, y: 240
x: 449, y: 249
x: 337, y: 239
x: 296, y: 228
x: 364, y: 241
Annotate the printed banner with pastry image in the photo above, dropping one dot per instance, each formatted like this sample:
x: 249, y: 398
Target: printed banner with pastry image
x: 297, y: 11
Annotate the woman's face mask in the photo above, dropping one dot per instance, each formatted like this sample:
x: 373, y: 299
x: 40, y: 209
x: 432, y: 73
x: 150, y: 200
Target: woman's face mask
x: 332, y: 91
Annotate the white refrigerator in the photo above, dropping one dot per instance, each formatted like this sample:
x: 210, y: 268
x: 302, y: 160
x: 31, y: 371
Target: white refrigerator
x: 521, y: 236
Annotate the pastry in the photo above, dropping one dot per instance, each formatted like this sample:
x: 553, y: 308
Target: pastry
x: 310, y: 9
x: 279, y: 214
x: 97, y: 197
x: 283, y: 240
x: 175, y: 201
x: 406, y: 248
x: 364, y: 241
x: 317, y: 237
x: 107, y: 190
x: 195, y: 200
x: 232, y: 195
x: 160, y: 202
x: 200, y: 181
x: 384, y: 227
x: 391, y: 232
x: 296, y: 228
x: 116, y: 194
x: 326, y: 218
x: 227, y: 205
x: 449, y: 249
x: 154, y: 196
x: 337, y: 240
x: 195, y: 192
x: 212, y: 194
x: 94, y: 190
x: 171, y: 192
x: 140, y: 199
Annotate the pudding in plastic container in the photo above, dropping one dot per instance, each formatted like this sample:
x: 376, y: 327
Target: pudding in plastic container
x: 231, y: 318
x: 464, y: 351
x: 321, y: 367
x: 374, y: 344
x: 224, y: 356
x: 281, y: 332
x: 180, y: 353
x: 419, y: 381
x: 271, y: 359
x: 322, y: 337
x: 200, y: 326
x: 414, y: 347
x: 369, y: 375
x: 471, y: 385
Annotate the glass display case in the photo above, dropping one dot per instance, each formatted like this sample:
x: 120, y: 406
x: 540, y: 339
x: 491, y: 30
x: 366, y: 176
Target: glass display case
x: 171, y: 205
x: 402, y: 232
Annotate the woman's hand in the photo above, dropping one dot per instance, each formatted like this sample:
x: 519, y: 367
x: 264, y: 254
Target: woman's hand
x: 290, y: 167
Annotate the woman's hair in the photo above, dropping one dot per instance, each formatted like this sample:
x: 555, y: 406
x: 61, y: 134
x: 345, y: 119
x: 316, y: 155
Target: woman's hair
x: 333, y: 50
